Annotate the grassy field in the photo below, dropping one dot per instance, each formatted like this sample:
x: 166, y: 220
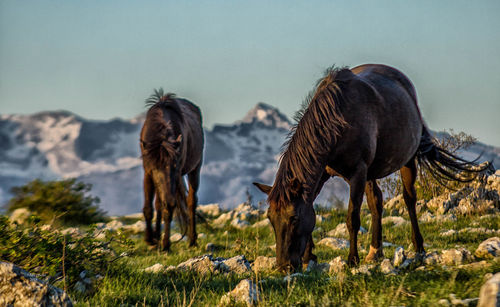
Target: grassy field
x: 126, y: 284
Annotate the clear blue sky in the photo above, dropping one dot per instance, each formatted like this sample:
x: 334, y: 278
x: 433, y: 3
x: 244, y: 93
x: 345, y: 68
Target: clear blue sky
x: 101, y: 59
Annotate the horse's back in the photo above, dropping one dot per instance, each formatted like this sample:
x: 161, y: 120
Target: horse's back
x: 193, y: 134
x: 384, y: 118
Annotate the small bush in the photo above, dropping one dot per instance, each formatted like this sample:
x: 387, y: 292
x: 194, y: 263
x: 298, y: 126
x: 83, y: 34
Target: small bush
x: 66, y: 201
x: 56, y: 257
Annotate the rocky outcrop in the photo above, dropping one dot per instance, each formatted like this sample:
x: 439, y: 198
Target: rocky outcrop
x: 20, y: 288
x: 489, y: 248
x: 489, y: 295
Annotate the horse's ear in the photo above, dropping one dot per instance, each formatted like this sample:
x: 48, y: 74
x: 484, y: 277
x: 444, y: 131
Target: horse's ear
x: 295, y: 186
x: 263, y: 187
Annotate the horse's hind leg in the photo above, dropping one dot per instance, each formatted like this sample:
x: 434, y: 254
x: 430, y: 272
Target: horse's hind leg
x: 149, y: 192
x: 157, y: 232
x: 194, y: 183
x: 408, y: 175
x: 374, y: 199
x: 357, y: 186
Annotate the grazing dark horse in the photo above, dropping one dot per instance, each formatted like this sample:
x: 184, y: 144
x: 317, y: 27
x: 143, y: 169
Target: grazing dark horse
x: 361, y: 124
x: 171, y: 146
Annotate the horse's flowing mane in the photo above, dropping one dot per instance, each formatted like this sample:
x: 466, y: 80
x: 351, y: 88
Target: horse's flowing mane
x: 159, y: 143
x: 319, y: 123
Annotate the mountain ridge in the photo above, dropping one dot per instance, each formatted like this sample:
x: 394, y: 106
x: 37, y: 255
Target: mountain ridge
x: 61, y: 144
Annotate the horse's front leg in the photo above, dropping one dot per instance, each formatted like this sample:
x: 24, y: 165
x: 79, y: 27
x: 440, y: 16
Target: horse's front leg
x: 149, y: 192
x: 374, y: 200
x: 167, y: 217
x: 357, y: 187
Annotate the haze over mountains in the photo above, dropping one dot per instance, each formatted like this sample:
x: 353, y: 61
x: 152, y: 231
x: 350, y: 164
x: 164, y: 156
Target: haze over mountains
x: 60, y: 144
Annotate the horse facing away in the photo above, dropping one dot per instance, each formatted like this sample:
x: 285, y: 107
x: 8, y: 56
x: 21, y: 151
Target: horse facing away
x: 361, y: 124
x: 171, y: 147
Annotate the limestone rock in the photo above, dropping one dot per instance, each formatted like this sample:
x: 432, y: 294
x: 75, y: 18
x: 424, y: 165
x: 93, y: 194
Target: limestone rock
x: 223, y: 219
x: 448, y: 233
x: 210, y: 209
x: 263, y: 263
x: 155, y: 268
x: 135, y: 228
x: 239, y: 224
x: 202, y: 264
x: 399, y: 256
x: 262, y: 224
x: 291, y: 277
x: 433, y: 258
x: 245, y: 292
x: 334, y: 243
x: 337, y: 266
x: 455, y: 256
x: 363, y: 269
x: 341, y: 231
x: 386, y: 267
x: 20, y: 288
x: 396, y: 220
x: 238, y: 264
x: 489, y: 295
x: 489, y: 248
x: 20, y: 215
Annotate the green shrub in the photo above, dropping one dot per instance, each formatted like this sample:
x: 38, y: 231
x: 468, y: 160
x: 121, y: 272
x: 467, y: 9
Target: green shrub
x: 56, y: 257
x: 66, y: 201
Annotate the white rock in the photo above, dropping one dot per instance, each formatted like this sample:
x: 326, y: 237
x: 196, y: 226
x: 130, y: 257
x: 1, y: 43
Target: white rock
x: 238, y: 264
x: 432, y: 258
x: 20, y: 215
x: 239, y: 224
x: 202, y: 264
x: 386, y: 267
x: 363, y: 269
x: 263, y: 223
x: 455, y: 256
x: 396, y: 220
x: 73, y: 231
x: 114, y: 225
x: 489, y: 295
x: 223, y: 219
x: 210, y: 209
x: 177, y: 237
x: 448, y: 233
x: 245, y: 292
x: 334, y: 243
x: 399, y: 256
x: 489, y: 248
x: 155, y: 268
x: 135, y: 228
x: 337, y: 266
x: 21, y: 288
x: 201, y: 235
x: 263, y: 263
x: 341, y: 231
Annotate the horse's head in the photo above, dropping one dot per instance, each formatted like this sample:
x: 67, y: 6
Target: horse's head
x: 293, y: 222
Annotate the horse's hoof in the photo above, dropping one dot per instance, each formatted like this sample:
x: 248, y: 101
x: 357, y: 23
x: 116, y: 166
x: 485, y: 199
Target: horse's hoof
x: 193, y: 244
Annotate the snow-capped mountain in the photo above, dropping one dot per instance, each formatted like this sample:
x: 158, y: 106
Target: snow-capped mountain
x: 51, y: 145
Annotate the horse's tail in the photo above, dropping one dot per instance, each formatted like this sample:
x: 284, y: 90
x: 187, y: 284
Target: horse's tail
x: 181, y: 211
x: 444, y: 165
